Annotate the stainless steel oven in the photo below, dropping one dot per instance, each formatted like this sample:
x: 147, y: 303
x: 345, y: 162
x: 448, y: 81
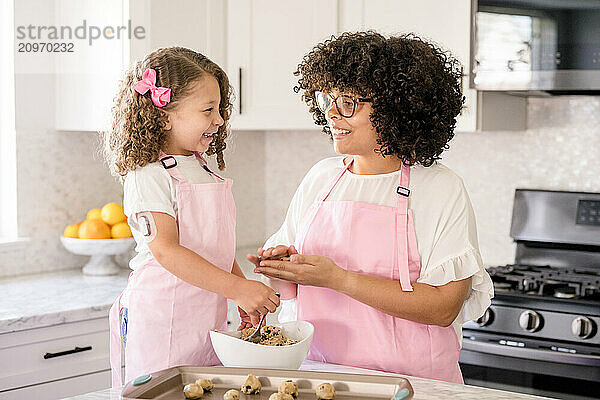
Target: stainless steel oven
x: 541, y: 333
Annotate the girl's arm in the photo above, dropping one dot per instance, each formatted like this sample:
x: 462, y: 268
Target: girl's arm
x: 426, y: 304
x: 252, y: 296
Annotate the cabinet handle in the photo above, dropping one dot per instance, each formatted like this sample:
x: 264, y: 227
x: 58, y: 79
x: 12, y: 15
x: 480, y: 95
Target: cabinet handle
x: 64, y: 353
x: 240, y: 88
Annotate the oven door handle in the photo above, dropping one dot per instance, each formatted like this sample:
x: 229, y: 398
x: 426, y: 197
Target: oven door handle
x: 531, y: 354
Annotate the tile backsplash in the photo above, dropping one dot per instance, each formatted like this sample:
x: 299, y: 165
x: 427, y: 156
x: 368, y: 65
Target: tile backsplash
x: 61, y: 176
x: 558, y: 151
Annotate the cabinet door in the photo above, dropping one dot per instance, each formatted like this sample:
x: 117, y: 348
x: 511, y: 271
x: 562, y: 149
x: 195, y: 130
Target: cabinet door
x: 86, y: 78
x: 446, y: 23
x: 62, y: 388
x: 47, y: 354
x: 266, y: 41
x: 196, y: 24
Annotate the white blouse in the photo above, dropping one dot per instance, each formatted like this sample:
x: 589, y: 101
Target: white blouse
x: 444, y: 222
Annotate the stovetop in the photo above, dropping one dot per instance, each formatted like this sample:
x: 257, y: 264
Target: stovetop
x: 568, y: 283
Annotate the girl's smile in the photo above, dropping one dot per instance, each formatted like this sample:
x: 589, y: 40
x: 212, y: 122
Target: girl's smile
x: 194, y: 122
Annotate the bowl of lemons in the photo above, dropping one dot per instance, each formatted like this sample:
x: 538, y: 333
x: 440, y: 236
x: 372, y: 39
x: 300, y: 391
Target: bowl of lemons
x: 103, y: 234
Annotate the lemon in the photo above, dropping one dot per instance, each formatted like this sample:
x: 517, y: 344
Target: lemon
x: 120, y: 231
x: 94, y: 229
x: 112, y: 213
x: 72, y: 231
x: 94, y: 213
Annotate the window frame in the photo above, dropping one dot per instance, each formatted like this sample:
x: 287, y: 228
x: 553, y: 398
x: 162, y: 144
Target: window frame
x: 8, y: 149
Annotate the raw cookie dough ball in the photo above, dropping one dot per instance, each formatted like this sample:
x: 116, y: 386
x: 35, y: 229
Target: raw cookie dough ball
x: 206, y: 384
x: 251, y: 385
x: 289, y: 387
x: 231, y: 395
x: 193, y: 391
x: 280, y: 396
x: 325, y: 391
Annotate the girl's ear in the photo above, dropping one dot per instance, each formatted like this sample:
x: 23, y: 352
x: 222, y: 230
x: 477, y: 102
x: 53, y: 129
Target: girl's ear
x: 167, y: 121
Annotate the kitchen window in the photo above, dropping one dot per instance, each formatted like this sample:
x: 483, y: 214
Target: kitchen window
x: 8, y: 151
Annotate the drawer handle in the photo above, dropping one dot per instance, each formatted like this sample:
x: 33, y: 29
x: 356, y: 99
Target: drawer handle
x: 64, y: 353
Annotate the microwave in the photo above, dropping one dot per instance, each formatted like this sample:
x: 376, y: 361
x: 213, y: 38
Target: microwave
x: 536, y: 45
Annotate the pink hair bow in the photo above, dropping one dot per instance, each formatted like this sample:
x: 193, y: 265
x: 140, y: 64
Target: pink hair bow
x: 160, y: 95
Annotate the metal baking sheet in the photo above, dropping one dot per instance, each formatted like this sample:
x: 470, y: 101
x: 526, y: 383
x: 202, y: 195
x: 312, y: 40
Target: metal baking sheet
x: 169, y: 383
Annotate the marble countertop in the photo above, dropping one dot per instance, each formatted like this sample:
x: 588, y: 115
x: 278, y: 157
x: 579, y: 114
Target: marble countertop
x: 423, y: 388
x: 52, y: 298
x: 36, y: 301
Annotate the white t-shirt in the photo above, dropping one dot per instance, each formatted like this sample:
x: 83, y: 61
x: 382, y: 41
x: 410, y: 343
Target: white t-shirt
x: 443, y: 217
x: 151, y: 188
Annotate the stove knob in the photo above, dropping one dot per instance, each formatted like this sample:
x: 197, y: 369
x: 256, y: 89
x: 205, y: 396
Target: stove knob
x: 530, y: 321
x: 583, y: 327
x: 486, y: 318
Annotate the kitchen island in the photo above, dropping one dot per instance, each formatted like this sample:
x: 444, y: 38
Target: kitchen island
x: 424, y: 388
x: 62, y: 300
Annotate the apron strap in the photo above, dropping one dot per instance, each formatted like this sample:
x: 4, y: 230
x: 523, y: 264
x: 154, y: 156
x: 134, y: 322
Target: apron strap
x: 205, y: 166
x: 116, y: 343
x: 402, y: 228
x: 334, y: 182
x: 170, y: 164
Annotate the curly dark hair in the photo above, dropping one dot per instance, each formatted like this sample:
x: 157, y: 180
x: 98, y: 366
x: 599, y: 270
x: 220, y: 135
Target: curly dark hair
x: 137, y: 132
x: 415, y: 87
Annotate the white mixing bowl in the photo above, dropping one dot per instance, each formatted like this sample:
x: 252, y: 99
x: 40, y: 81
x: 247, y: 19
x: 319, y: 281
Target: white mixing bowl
x: 234, y: 352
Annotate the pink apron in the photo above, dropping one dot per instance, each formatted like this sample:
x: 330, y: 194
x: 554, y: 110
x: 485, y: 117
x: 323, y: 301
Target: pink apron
x: 169, y: 319
x: 378, y: 241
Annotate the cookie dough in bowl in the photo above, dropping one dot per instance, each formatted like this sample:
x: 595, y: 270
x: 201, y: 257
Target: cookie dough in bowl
x: 233, y: 352
x: 270, y: 336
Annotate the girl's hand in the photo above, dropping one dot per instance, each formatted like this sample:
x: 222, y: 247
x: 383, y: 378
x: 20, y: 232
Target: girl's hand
x: 245, y: 320
x: 288, y: 290
x: 271, y: 253
x: 256, y: 299
x: 310, y: 270
x: 278, y: 252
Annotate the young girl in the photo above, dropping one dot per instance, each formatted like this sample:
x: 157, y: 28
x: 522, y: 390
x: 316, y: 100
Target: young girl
x: 172, y: 107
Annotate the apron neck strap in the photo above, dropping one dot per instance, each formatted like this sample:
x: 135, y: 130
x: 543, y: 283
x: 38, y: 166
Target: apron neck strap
x: 170, y: 164
x: 402, y: 190
x: 205, y: 166
x: 335, y: 181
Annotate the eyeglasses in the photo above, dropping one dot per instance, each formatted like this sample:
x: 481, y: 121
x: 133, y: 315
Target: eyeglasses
x: 345, y: 105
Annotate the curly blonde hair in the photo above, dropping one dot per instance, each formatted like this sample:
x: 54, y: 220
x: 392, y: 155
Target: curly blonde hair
x: 137, y: 132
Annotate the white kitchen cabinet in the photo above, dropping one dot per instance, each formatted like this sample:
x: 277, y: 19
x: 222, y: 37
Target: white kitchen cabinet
x: 196, y: 24
x: 62, y: 388
x: 447, y: 23
x: 41, y: 363
x: 266, y: 40
x: 86, y: 78
x: 87, y: 82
